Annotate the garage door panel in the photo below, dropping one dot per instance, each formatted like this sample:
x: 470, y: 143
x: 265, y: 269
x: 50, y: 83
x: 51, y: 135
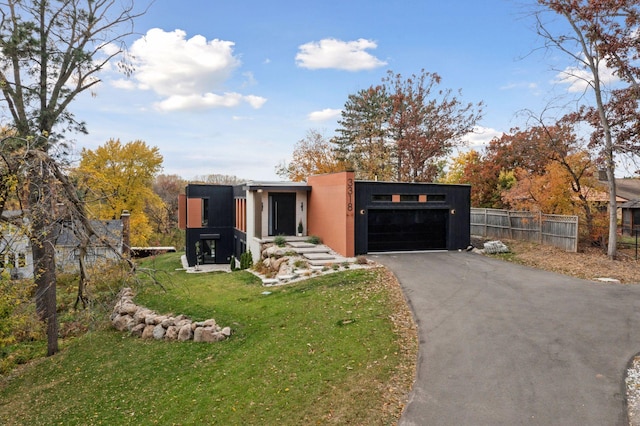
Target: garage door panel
x: 412, y: 229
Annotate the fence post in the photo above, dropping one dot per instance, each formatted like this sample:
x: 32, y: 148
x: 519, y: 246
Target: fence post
x: 540, y: 227
x: 484, y: 233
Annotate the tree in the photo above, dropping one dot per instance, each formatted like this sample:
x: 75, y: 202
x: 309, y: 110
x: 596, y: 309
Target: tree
x: 219, y: 179
x: 402, y: 129
x: 603, y: 34
x: 168, y: 188
x: 363, y: 142
x: 425, y: 123
x: 312, y: 155
x: 116, y: 177
x: 51, y: 52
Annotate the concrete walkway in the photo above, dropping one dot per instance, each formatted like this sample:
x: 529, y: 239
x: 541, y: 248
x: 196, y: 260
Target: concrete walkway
x: 502, y: 344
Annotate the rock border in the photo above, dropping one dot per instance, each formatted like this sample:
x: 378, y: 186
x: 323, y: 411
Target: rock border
x: 147, y: 324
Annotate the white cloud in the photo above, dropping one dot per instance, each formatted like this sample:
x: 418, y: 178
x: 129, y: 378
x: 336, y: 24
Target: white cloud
x: 187, y: 73
x: 579, y: 79
x: 481, y: 136
x: 324, y: 115
x: 123, y: 84
x: 206, y: 101
x: 338, y: 54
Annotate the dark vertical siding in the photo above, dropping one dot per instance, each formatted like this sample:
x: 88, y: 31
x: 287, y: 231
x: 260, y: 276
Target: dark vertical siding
x: 220, y: 221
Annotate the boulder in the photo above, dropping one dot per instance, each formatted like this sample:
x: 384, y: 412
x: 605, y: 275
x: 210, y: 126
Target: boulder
x: 172, y: 333
x: 159, y: 331
x: 185, y: 333
x: 138, y: 329
x: 147, y: 333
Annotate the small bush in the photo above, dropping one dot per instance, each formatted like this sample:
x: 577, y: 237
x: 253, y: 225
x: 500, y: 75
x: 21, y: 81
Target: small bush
x: 346, y: 265
x: 280, y: 241
x: 246, y: 260
x: 361, y: 260
x: 232, y: 264
x: 300, y: 264
x: 314, y: 239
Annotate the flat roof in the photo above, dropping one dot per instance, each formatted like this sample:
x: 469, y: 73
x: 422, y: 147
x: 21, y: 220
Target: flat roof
x: 285, y: 186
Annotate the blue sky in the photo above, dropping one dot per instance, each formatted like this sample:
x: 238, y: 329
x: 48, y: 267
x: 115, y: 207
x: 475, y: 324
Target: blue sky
x: 229, y: 87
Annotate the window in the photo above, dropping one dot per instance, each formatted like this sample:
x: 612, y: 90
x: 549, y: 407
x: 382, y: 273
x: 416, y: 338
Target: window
x: 205, y: 212
x: 381, y: 198
x: 22, y: 260
x: 11, y: 262
x: 408, y: 198
x: 436, y: 198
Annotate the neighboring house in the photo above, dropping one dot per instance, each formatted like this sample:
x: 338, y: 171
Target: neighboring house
x: 629, y: 191
x: 100, y: 249
x: 15, y: 247
x: 352, y: 217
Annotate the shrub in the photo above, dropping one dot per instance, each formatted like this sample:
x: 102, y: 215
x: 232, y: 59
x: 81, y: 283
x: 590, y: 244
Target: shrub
x: 17, y: 319
x: 314, y: 239
x: 232, y: 264
x: 246, y: 260
x: 361, y: 260
x: 280, y: 241
x: 300, y: 264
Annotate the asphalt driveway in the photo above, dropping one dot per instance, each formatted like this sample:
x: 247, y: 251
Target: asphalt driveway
x: 503, y: 344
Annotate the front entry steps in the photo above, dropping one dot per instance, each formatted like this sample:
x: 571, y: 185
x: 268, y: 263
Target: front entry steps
x: 318, y: 257
x: 317, y: 254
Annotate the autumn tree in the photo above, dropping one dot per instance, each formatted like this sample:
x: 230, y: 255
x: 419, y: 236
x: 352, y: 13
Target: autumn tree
x: 312, y: 155
x: 116, y: 177
x: 403, y: 129
x: 163, y: 217
x: 425, y: 123
x: 50, y: 53
x: 600, y: 35
x: 218, y: 179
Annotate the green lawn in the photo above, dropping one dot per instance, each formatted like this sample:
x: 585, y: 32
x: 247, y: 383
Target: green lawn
x: 335, y: 349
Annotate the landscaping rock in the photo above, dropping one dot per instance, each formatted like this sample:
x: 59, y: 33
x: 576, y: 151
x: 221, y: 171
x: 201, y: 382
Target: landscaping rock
x: 185, y: 333
x: 158, y: 332
x: 172, y: 333
x: 147, y: 333
x: 145, y: 323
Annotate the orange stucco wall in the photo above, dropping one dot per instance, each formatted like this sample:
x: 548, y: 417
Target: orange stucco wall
x: 331, y: 211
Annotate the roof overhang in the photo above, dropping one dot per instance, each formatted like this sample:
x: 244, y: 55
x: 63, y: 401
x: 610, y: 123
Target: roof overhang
x: 276, y: 186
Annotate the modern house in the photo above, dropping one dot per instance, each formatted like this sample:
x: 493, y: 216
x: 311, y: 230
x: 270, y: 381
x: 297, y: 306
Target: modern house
x: 352, y: 217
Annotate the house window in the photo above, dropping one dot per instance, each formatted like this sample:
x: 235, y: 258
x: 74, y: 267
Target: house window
x: 381, y: 198
x: 436, y: 198
x: 1, y: 261
x: 408, y: 198
x: 11, y: 262
x: 205, y: 212
x: 22, y: 260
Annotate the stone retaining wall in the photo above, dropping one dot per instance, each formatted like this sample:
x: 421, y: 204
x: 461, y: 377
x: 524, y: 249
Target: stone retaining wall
x: 147, y: 324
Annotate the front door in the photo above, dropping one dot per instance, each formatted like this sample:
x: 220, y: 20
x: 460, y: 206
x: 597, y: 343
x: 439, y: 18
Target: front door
x: 282, y: 214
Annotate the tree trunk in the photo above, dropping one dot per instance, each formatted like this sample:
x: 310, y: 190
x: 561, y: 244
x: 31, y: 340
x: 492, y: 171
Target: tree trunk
x: 43, y: 236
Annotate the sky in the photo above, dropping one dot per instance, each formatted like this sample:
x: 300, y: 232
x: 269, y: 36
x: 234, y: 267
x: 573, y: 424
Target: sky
x: 229, y: 87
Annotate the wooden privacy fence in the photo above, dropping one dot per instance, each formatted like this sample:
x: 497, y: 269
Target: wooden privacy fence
x: 550, y: 229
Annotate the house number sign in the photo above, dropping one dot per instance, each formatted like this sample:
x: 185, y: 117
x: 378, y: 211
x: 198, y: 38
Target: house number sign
x: 350, y: 196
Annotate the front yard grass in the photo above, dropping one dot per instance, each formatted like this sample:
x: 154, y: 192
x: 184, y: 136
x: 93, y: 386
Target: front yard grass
x: 336, y: 349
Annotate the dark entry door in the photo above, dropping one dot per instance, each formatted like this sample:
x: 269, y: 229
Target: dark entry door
x: 405, y: 230
x: 282, y: 214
